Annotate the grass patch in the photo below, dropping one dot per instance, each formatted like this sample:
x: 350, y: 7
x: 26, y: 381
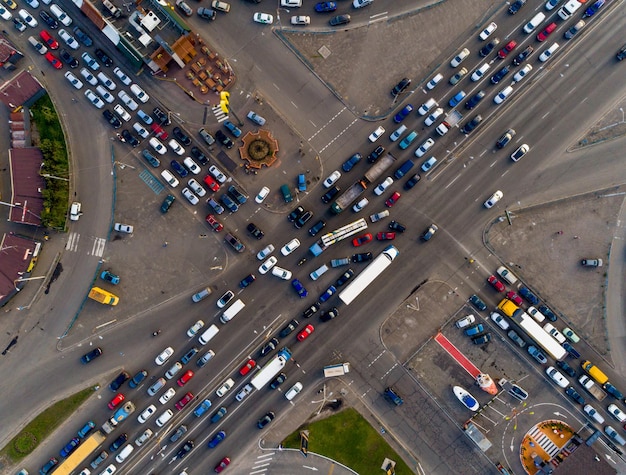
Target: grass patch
x: 42, y: 426
x: 348, y: 438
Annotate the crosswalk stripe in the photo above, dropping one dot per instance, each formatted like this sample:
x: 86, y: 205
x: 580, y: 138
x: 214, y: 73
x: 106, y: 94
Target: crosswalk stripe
x: 219, y: 113
x: 97, y: 248
x: 72, y: 242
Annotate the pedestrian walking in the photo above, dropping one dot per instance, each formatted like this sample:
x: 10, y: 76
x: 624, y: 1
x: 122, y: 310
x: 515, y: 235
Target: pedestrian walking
x: 165, y: 244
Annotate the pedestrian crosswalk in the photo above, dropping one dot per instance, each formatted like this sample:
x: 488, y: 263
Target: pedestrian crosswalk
x: 544, y: 441
x: 219, y: 114
x: 97, y: 247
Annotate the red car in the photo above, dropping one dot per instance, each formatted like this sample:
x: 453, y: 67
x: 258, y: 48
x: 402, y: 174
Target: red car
x: 184, y: 379
x: 53, y: 60
x: 183, y: 402
x: 49, y: 40
x: 545, y: 33
x: 514, y: 297
x: 215, y: 224
x: 510, y: 46
x: 211, y: 183
x: 386, y: 236
x: 158, y: 131
x: 499, y: 286
x: 225, y: 462
x: 247, y: 367
x: 116, y: 400
x: 359, y: 241
x: 304, y: 334
x: 393, y: 199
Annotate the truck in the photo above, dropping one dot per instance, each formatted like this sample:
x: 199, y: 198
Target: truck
x: 595, y: 372
x: 271, y: 369
x: 87, y: 447
x: 453, y: 118
x: 591, y: 387
x: 103, y: 296
x: 122, y: 413
x: 352, y: 193
x: 507, y: 307
x: 336, y: 370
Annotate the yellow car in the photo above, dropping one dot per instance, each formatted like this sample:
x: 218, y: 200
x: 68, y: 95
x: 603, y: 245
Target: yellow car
x: 11, y: 4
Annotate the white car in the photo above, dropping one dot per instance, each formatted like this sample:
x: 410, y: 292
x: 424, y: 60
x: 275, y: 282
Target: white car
x: 465, y: 321
x: 63, y: 17
x: 38, y: 45
x: 617, y: 413
x: 363, y: 202
x: 430, y: 120
x: 262, y: 195
x: 557, y: 377
x: 94, y: 99
x: 434, y: 81
x: 123, y: 113
x: 167, y: 396
x: 141, y: 131
x: 281, y: 273
x: 106, y: 80
x: 164, y: 356
x: 127, y: 100
x: 147, y: 413
x: 550, y: 4
x: 157, y: 145
x: 480, y: 72
x: 359, y: 4
x: 74, y: 81
x: 90, y: 78
x: 104, y: 94
x: 161, y: 421
x: 195, y: 328
x: 330, y: 181
x: 380, y: 189
x: 169, y: 178
x: 497, y: 196
x: 75, y: 212
x: 191, y: 165
x: 140, y: 93
x: 557, y: 335
x: 264, y: 18
x: 378, y: 133
x: 123, y: 228
x: 196, y: 187
x: 595, y: 415
x: 503, y: 94
x: 520, y: 152
x: 487, y: 31
x: 291, y: 3
x: 536, y: 314
x: 187, y: 193
x: 266, y: 251
x: 5, y: 14
x: 28, y: 19
x: 267, y: 265
x: 290, y: 247
x: 69, y: 39
x: 176, y: 147
x: 458, y: 59
x: 301, y: 20
x: 500, y: 321
x: 91, y: 62
x: 296, y: 388
x: 224, y: 388
x: 545, y: 56
x: 217, y: 174
x: 122, y: 76
x: 424, y: 147
x: 521, y: 74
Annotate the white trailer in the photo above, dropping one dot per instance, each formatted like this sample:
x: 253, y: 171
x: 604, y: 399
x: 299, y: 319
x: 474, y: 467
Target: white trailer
x: 336, y: 370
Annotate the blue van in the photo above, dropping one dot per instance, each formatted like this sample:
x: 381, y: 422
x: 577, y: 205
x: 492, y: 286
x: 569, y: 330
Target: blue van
x: 301, y: 182
x: 406, y: 166
x: 408, y: 140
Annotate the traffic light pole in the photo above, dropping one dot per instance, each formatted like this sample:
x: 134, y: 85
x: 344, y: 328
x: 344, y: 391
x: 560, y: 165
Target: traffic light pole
x: 225, y: 105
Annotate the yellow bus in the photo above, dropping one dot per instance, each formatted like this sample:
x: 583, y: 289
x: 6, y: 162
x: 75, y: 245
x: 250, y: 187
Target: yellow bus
x: 78, y: 457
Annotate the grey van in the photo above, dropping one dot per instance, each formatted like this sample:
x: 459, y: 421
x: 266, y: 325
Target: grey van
x: 156, y: 387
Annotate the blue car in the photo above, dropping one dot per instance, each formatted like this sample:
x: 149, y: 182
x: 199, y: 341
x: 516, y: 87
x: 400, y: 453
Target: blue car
x: 151, y: 159
x: 108, y: 276
x: 528, y: 295
x: 550, y: 315
x: 232, y: 128
x: 297, y: 285
x: 83, y: 37
x: 202, y: 408
x: 221, y: 435
x: 86, y: 429
x: 178, y: 168
x: 322, y: 7
x: 350, y: 162
x: 477, y: 302
x: 230, y: 204
x: 330, y: 291
x: 70, y: 447
x: 458, y: 97
x: 475, y: 330
x: 400, y: 116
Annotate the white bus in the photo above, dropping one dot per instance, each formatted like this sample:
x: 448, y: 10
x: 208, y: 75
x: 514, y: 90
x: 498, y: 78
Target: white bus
x: 271, y: 369
x: 365, y: 278
x: 344, y: 232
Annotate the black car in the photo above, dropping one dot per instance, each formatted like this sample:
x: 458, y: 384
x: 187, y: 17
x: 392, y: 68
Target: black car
x: 496, y: 78
x: 317, y: 227
x: 167, y: 203
x: 255, y: 231
x: 362, y: 257
x: 309, y: 312
x: 185, y: 449
x: 178, y: 168
x: 117, y: 443
x: 102, y: 56
x: 411, y: 182
x: 489, y: 47
x: 523, y: 55
x: 269, y: 347
x: 92, y: 355
x: 482, y: 339
x: 291, y: 326
x: 350, y: 162
x: 162, y: 117
x: 330, y: 194
x: 83, y: 37
x: 265, y: 420
x: 115, y: 122
x: 505, y: 139
x: 516, y: 6
x: 549, y: 314
x: 278, y: 380
x: 130, y: 138
x: 397, y: 226
x: 234, y: 242
x: 182, y: 137
x: 328, y: 316
x: 571, y: 350
x: 137, y: 379
x: 478, y: 303
x: 566, y: 368
x: 117, y: 382
x: 376, y: 153
x: 571, y: 392
x: 345, y: 277
x: 303, y: 219
x: 221, y: 138
x: 476, y: 98
x: 472, y: 124
x: 198, y: 155
x: 400, y: 87
x: 295, y: 214
x: 339, y: 20
x: 237, y: 194
x: 247, y: 281
x: 48, y: 20
x: 68, y: 59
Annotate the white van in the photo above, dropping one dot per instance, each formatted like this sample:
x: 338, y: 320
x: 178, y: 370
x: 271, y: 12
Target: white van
x: 231, y: 311
x: 293, y: 391
x: 163, y: 418
x: 568, y: 9
x: 123, y: 455
x: 176, y: 367
x: 208, y: 334
x: 534, y: 22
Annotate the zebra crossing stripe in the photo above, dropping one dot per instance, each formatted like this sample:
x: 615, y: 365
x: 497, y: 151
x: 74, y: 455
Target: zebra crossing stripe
x: 97, y: 248
x: 219, y: 113
x: 72, y: 242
